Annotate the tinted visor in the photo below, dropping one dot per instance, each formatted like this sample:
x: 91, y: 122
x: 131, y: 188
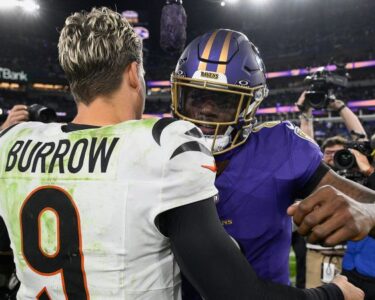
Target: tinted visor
x: 207, y: 105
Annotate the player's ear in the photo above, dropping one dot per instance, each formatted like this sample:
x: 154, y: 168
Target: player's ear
x: 132, y: 75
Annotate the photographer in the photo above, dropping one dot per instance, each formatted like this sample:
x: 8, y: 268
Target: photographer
x: 16, y: 115
x: 329, y: 148
x: 358, y: 263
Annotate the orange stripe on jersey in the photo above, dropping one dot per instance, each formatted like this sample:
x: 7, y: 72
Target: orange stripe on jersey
x: 43, y: 294
x: 207, y: 50
x: 221, y: 68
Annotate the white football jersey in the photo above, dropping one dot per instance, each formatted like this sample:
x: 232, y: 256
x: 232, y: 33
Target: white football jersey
x: 81, y: 207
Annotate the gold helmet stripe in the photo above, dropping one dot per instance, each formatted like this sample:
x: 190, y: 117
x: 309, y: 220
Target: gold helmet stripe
x: 207, y: 50
x: 221, y: 68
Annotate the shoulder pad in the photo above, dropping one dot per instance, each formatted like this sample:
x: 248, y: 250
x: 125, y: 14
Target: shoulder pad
x: 298, y: 131
x: 179, y: 137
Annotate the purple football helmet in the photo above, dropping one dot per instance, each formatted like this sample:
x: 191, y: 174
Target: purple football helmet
x: 218, y: 84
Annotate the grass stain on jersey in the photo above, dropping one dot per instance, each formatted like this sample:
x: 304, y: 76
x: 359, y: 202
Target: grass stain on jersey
x: 48, y: 229
x: 145, y: 123
x: 96, y: 248
x: 13, y: 200
x: 17, y: 185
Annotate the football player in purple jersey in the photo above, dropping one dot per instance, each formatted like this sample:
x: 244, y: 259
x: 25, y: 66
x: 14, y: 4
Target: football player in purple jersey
x: 218, y: 84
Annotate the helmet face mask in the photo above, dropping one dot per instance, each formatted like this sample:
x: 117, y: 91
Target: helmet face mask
x: 223, y: 104
x: 208, y: 106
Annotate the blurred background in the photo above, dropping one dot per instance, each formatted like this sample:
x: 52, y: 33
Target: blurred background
x: 294, y: 38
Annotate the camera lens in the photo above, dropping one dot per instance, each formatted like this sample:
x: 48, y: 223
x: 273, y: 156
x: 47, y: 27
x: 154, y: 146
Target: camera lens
x: 316, y: 99
x: 47, y: 115
x: 41, y: 113
x: 344, y: 160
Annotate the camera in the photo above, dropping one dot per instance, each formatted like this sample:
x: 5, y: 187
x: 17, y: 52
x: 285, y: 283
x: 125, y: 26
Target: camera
x: 322, y: 87
x: 345, y: 162
x: 41, y: 113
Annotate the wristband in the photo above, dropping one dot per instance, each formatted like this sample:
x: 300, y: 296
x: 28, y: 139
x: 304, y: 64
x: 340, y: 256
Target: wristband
x: 306, y: 117
x: 341, y: 108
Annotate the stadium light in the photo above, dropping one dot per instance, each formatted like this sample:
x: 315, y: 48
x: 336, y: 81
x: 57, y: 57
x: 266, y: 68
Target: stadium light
x: 29, y: 6
x: 259, y: 2
x: 8, y: 4
x: 228, y: 2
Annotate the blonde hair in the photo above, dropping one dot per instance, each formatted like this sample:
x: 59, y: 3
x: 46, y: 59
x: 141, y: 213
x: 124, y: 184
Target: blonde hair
x: 94, y: 50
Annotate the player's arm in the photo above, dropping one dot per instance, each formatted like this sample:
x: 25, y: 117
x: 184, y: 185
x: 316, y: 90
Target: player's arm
x: 215, y: 266
x: 338, y: 210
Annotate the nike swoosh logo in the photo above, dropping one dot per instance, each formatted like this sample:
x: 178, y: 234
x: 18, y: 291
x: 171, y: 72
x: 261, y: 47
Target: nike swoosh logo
x: 211, y: 168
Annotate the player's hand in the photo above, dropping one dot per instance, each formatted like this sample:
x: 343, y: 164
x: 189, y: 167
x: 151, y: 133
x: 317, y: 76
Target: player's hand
x: 350, y: 291
x: 363, y: 164
x: 17, y: 114
x: 330, y: 217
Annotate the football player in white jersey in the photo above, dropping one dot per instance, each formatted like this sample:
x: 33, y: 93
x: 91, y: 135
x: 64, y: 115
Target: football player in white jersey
x: 106, y: 206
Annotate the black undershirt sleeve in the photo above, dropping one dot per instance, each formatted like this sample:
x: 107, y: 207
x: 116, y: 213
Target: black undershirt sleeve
x: 313, y: 182
x: 371, y: 181
x: 4, y: 237
x: 214, y: 265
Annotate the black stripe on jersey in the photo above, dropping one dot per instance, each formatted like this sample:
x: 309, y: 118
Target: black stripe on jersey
x: 7, y: 129
x: 313, y: 182
x: 191, y: 146
x: 159, y: 127
x: 69, y: 127
x: 195, y: 132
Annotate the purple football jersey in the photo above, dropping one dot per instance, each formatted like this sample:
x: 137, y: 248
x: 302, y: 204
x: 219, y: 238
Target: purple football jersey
x: 257, y: 186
